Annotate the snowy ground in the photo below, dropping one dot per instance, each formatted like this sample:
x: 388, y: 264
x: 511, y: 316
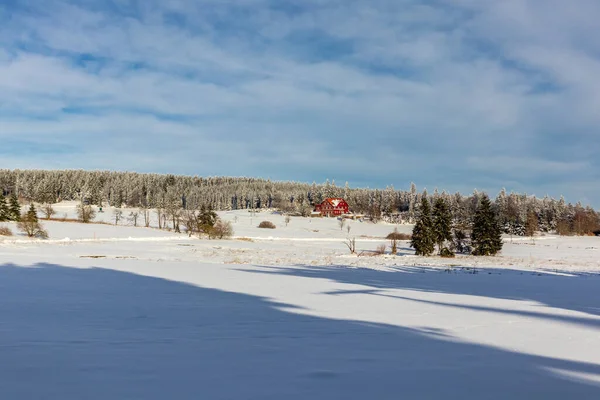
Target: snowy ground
x: 105, y: 312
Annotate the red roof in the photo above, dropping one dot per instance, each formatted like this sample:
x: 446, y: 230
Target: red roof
x: 334, y: 201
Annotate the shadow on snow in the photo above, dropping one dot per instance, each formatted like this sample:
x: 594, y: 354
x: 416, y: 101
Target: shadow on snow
x: 575, y: 291
x: 69, y: 333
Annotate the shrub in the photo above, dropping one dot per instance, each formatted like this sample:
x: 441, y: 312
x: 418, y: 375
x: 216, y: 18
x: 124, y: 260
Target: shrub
x: 221, y: 229
x: 461, y: 242
x: 398, y: 236
x: 5, y: 231
x: 447, y: 253
x: 30, y: 225
x: 267, y: 225
x: 380, y: 249
x: 48, y: 211
x: 351, y: 244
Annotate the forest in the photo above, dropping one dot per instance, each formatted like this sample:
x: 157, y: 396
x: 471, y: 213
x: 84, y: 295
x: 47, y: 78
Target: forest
x: 516, y: 213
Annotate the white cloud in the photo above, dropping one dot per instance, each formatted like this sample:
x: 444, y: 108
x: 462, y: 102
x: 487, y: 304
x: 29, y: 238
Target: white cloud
x: 460, y: 86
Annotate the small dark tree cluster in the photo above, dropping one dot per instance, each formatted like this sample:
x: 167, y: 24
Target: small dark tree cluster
x: 435, y: 228
x: 206, y: 222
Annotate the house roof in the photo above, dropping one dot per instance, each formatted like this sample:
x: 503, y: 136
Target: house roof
x: 334, y: 201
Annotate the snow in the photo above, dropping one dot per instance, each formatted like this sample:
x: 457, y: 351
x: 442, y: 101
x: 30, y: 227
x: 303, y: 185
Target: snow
x: 140, y: 313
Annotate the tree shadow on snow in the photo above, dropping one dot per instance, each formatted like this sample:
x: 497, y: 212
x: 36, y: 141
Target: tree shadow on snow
x: 575, y: 291
x: 69, y: 333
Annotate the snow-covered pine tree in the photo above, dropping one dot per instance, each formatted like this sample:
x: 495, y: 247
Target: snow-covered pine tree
x: 14, y: 208
x: 487, y: 235
x: 423, y: 240
x: 4, y: 211
x: 442, y: 223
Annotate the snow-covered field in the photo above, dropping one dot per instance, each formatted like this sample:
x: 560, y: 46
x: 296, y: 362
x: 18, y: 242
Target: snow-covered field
x: 119, y: 312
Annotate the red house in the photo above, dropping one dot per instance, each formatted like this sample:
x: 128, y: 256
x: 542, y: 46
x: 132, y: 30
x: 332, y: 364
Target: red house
x: 332, y: 207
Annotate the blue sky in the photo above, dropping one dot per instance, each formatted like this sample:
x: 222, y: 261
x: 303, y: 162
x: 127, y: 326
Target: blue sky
x: 454, y: 94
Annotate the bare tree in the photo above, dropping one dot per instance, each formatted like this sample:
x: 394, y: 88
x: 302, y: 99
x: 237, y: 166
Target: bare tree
x: 175, y: 216
x: 351, y: 244
x: 348, y: 228
x: 159, y: 215
x: 190, y: 221
x: 532, y: 224
x: 394, y: 241
x: 342, y: 223
x: 146, y: 214
x: 48, y: 210
x: 85, y: 213
x: 117, y: 215
x: 133, y: 217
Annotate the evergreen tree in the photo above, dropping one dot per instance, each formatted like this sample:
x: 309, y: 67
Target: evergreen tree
x: 442, y: 223
x: 207, y: 219
x: 4, y: 211
x: 31, y: 214
x: 14, y: 208
x: 487, y: 234
x: 423, y: 240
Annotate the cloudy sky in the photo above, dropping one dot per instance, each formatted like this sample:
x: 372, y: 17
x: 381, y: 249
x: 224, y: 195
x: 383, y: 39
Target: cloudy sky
x: 454, y: 94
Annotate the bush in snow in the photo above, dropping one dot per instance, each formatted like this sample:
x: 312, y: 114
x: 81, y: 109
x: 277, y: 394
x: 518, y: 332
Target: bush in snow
x: 5, y: 231
x: 267, y: 225
x: 398, y: 236
x: 447, y: 253
x: 48, y: 210
x: 221, y: 229
x: 30, y: 225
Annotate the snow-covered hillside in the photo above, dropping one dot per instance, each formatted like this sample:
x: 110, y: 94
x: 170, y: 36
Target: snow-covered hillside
x: 119, y: 312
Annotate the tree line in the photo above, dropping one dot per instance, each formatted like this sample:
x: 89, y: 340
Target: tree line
x: 517, y: 213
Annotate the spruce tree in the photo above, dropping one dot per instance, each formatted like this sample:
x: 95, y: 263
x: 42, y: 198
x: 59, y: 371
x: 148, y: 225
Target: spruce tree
x: 31, y: 214
x: 14, y: 208
x: 4, y: 211
x: 442, y: 223
x: 487, y: 234
x: 423, y: 240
